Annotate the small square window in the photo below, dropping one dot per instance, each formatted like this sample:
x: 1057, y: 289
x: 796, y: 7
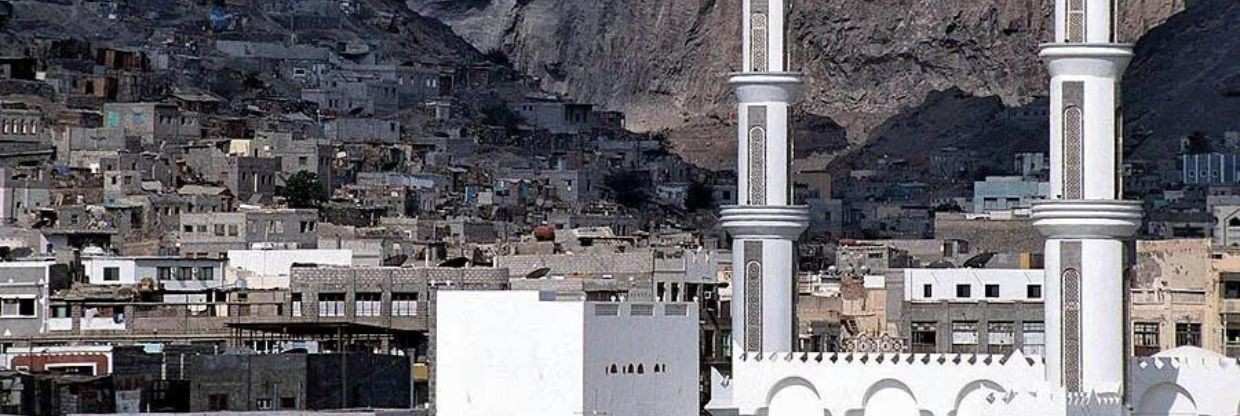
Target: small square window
x: 964, y: 291
x: 1033, y: 291
x: 927, y: 291
x: 992, y: 291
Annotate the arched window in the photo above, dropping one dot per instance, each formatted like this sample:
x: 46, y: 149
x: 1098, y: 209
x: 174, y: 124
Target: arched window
x: 1233, y: 222
x: 629, y: 369
x: 614, y: 369
x: 641, y: 369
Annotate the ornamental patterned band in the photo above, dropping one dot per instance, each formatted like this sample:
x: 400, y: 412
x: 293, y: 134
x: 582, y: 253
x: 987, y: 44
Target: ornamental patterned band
x: 757, y: 155
x: 758, y: 36
x: 753, y: 296
x: 1071, y: 315
x: 1076, y: 21
x: 1073, y: 140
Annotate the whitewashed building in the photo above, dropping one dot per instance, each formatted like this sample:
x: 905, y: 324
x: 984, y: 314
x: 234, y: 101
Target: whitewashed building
x: 270, y: 269
x: 527, y: 353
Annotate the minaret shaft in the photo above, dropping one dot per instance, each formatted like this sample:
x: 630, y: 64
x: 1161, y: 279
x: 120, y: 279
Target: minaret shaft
x: 763, y: 225
x: 1086, y: 221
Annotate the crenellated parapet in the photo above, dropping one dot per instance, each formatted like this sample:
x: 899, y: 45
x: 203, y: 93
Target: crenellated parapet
x: 856, y: 384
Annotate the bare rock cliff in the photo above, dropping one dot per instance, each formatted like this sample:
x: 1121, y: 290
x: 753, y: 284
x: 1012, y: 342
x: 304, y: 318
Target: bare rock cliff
x: 663, y: 61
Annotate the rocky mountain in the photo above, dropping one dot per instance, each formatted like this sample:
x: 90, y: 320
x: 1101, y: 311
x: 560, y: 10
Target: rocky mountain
x: 663, y: 60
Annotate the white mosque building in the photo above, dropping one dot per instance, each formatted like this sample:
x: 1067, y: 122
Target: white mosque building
x: 1086, y: 369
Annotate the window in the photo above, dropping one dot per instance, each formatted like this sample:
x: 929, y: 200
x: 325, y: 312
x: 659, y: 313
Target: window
x: 232, y: 230
x: 186, y: 273
x: 302, y: 160
x: 1231, y: 290
x: 331, y: 304
x: 1033, y: 338
x: 1033, y: 291
x: 1145, y: 339
x: 17, y: 308
x: 217, y: 402
x: 288, y: 402
x: 111, y: 274
x: 992, y: 291
x: 263, y: 404
x: 202, y: 228
x: 296, y: 309
x: 964, y: 291
x: 206, y: 273
x: 1000, y: 337
x: 1187, y: 334
x: 307, y: 226
x: 924, y: 337
x: 163, y: 273
x: 367, y: 304
x: 219, y: 230
x: 60, y: 311
x: 964, y: 337
x: 927, y: 291
x: 405, y: 304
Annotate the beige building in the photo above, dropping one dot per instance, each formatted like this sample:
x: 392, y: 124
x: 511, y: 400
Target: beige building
x: 1175, y: 299
x: 1227, y: 263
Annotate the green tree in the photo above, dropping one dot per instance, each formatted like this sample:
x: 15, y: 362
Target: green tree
x: 303, y: 190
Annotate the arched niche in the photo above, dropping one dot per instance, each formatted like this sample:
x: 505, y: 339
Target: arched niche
x: 794, y: 397
x: 890, y: 397
x: 1166, y: 399
x: 978, y: 398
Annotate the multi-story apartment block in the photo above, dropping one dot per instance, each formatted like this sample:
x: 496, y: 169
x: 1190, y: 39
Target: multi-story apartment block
x: 213, y: 234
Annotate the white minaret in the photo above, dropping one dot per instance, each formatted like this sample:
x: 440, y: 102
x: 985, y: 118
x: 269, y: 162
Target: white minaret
x: 764, y: 226
x: 1086, y: 222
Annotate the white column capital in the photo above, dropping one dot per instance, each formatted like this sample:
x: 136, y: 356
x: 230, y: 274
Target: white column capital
x: 1087, y: 59
x: 766, y: 87
x: 785, y: 222
x: 1086, y: 218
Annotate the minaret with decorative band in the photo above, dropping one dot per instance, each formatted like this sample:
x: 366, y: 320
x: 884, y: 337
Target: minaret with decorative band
x: 764, y: 226
x: 1086, y: 221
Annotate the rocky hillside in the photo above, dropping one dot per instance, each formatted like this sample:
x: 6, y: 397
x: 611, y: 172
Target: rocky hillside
x: 1185, y: 79
x: 663, y: 60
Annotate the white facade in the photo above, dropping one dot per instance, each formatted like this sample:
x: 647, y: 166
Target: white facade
x: 269, y: 269
x: 991, y: 285
x: 525, y: 353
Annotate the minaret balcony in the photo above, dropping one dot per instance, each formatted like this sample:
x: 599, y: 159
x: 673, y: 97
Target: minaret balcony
x: 766, y: 87
x: 1087, y: 59
x: 1087, y: 218
x: 785, y: 222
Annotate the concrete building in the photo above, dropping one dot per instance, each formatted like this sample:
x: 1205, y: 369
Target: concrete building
x: 22, y: 191
x: 1006, y: 193
x: 154, y: 123
x: 987, y: 311
x: 566, y: 358
x: 24, y: 298
x: 362, y: 130
x: 292, y: 382
x: 555, y: 115
x: 251, y: 179
x: 271, y: 269
x: 1210, y: 169
x: 1175, y: 297
x: 170, y: 273
x: 213, y: 234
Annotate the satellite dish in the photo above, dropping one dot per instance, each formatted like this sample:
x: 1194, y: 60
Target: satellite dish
x: 979, y: 261
x: 538, y: 273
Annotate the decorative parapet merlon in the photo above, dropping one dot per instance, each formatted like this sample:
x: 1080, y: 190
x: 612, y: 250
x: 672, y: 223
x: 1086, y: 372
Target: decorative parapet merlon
x: 767, y: 87
x: 1085, y: 218
x: 785, y: 222
x: 1016, y: 359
